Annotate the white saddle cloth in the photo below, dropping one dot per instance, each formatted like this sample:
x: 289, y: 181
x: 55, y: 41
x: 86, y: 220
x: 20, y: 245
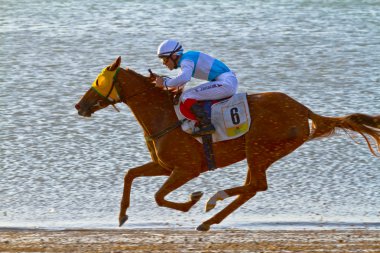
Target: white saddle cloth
x: 230, y: 117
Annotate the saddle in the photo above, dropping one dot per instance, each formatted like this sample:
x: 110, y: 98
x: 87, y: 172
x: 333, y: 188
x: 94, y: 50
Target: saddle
x: 230, y: 117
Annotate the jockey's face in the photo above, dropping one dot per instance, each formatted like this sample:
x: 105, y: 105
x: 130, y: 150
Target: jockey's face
x: 171, y: 61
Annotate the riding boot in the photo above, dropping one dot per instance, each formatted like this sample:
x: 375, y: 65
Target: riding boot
x: 204, y: 122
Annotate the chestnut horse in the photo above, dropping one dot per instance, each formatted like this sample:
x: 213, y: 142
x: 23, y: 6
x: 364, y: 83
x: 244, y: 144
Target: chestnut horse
x: 279, y: 126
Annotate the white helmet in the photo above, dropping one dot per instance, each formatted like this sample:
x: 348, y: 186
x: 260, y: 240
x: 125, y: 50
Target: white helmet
x: 168, y: 48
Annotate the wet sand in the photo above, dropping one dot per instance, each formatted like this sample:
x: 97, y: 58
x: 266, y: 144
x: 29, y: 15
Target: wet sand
x: 172, y: 240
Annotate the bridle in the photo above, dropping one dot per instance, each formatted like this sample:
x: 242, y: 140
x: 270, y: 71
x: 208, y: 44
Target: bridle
x: 115, y: 85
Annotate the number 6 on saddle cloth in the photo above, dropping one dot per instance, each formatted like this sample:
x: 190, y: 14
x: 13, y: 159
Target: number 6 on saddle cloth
x: 230, y: 118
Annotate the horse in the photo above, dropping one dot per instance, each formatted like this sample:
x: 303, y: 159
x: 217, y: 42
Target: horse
x: 279, y: 126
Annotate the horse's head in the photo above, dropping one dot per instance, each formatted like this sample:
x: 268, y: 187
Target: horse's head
x: 102, y: 93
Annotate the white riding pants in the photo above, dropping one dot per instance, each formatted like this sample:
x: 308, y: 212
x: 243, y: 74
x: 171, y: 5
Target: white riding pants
x: 224, y: 86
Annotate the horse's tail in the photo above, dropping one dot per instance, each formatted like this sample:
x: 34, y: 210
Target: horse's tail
x: 367, y: 126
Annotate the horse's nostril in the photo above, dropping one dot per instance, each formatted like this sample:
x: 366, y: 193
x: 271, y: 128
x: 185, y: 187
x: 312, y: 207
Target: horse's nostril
x: 77, y: 106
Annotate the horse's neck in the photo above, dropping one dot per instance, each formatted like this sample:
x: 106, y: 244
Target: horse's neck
x: 152, y: 115
x: 152, y: 108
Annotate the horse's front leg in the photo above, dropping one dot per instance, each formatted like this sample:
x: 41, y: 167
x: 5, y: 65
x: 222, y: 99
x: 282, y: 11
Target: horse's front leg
x: 147, y: 170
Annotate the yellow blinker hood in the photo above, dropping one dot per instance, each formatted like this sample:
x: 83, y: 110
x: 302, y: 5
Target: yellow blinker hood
x: 103, y: 85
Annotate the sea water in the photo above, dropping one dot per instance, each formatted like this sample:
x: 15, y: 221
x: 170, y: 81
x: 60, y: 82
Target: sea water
x: 60, y: 170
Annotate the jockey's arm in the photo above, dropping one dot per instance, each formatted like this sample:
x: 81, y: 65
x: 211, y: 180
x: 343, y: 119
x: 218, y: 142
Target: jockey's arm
x: 187, y: 68
x: 160, y: 84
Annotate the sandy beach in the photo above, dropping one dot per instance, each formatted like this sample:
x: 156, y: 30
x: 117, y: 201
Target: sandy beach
x: 171, y: 240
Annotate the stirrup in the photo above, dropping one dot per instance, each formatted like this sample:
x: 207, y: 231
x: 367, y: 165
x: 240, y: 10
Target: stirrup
x: 205, y: 130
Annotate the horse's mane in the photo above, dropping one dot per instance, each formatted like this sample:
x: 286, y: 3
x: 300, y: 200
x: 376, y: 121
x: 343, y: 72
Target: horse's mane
x: 147, y: 81
x: 138, y: 75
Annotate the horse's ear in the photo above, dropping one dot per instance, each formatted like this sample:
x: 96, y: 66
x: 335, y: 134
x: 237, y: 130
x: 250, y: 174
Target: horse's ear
x: 115, y: 64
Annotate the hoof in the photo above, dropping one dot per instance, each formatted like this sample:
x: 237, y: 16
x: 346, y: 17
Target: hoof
x: 203, y: 227
x: 209, y: 207
x: 211, y: 203
x: 196, y: 196
x: 122, y: 220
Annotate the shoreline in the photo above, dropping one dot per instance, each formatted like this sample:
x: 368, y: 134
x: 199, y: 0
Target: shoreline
x: 254, y: 226
x: 184, y: 240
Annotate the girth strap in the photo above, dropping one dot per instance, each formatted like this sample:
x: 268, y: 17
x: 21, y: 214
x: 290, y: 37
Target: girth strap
x: 209, y: 153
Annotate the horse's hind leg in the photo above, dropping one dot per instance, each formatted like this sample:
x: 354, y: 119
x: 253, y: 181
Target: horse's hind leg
x: 176, y: 180
x: 216, y: 219
x: 255, y: 181
x: 147, y: 170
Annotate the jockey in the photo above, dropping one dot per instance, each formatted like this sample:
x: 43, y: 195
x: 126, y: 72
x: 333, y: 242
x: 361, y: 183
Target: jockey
x: 221, y: 81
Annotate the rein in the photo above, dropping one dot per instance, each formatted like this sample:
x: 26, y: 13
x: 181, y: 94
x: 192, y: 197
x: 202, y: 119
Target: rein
x: 115, y: 83
x: 152, y: 137
x: 165, y: 131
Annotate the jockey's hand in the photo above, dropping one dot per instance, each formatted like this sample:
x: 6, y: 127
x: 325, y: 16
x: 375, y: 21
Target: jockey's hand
x: 159, y: 82
x: 152, y: 76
